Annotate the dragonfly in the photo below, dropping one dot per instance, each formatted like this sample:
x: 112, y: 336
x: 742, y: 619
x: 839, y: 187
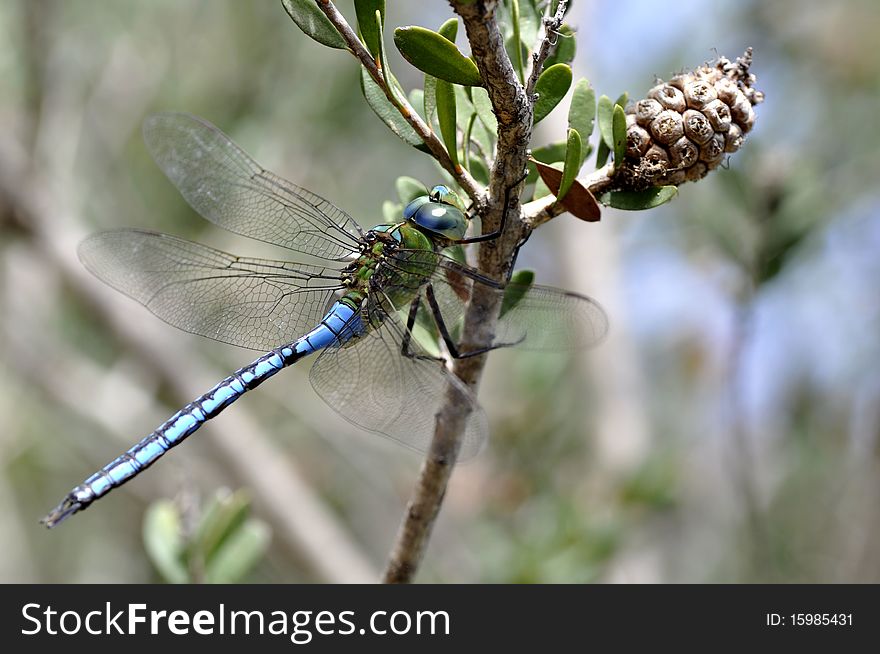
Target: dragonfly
x: 357, y: 309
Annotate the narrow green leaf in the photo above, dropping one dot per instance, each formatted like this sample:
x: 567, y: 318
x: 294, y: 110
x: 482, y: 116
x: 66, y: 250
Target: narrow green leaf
x: 639, y: 200
x: 449, y: 30
x: 388, y: 113
x: 314, y: 23
x: 417, y: 101
x: 430, y: 99
x: 223, y: 515
x: 391, y: 211
x: 409, y: 188
x: 605, y: 115
x: 483, y: 105
x: 434, y: 54
x: 483, y: 138
x: 520, y: 283
x: 446, y: 116
x: 163, y: 541
x: 390, y: 81
x: 566, y: 47
x: 466, y: 142
x: 464, y: 107
x: 479, y: 170
x: 622, y: 100
x: 371, y: 30
x: 602, y: 154
x: 517, y: 38
x: 552, y: 86
x: 241, y: 551
x: 572, y: 163
x: 582, y: 112
x: 618, y: 124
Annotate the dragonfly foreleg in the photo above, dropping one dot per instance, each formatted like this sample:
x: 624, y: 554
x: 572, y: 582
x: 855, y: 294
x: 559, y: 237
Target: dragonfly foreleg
x: 407, y: 337
x: 493, y: 235
x: 454, y: 352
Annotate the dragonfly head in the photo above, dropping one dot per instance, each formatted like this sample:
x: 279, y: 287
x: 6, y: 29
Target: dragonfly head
x: 441, y: 212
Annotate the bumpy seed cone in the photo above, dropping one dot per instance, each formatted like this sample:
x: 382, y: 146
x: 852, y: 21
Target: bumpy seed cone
x: 684, y: 128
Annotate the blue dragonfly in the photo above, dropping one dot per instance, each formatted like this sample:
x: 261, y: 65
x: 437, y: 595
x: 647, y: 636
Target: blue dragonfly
x: 358, y: 308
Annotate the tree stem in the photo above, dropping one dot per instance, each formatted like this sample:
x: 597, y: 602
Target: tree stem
x: 513, y: 108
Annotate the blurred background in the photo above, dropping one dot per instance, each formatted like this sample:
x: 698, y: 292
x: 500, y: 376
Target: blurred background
x: 726, y: 431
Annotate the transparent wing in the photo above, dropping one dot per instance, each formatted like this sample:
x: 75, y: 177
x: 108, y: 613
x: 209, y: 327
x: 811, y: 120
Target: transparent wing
x: 254, y: 303
x: 373, y: 385
x: 534, y: 317
x: 226, y: 186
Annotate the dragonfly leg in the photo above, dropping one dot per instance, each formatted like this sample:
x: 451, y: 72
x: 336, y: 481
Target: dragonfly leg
x: 493, y: 235
x: 407, y: 337
x: 454, y: 352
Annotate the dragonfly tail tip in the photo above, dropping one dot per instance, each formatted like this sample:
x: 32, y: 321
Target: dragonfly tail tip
x: 61, y: 512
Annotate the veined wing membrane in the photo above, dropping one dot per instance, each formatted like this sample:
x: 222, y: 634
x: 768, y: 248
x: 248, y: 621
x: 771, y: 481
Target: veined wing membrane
x: 226, y: 186
x: 253, y: 303
x: 542, y: 318
x: 372, y: 385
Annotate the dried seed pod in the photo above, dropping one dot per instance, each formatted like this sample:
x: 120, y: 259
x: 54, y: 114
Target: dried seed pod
x: 637, y: 141
x: 647, y: 110
x: 668, y: 96
x: 679, y: 81
x: 712, y: 151
x: 733, y: 139
x: 697, y: 126
x: 718, y: 114
x: 669, y: 143
x: 699, y: 93
x: 667, y: 127
x: 683, y: 153
x: 727, y: 90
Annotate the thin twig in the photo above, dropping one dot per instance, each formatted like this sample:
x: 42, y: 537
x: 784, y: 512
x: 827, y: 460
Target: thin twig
x: 514, y: 112
x: 462, y: 176
x: 546, y: 44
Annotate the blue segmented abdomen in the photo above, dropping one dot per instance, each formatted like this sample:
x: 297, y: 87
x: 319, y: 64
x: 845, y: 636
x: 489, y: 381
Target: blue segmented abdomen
x: 186, y: 421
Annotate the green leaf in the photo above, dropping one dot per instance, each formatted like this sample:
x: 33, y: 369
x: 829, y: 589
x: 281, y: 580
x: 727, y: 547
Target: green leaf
x: 582, y: 112
x: 483, y: 106
x: 223, y: 515
x: 552, y: 86
x: 520, y: 282
x: 572, y: 163
x: 430, y: 99
x: 639, y: 200
x: 618, y: 131
x: 163, y: 541
x: 622, y: 100
x: 417, y: 101
x: 449, y: 30
x: 371, y: 30
x: 446, y: 116
x: 602, y: 154
x: 605, y: 115
x: 479, y: 170
x: 566, y: 47
x: 391, y: 211
x: 517, y: 38
x: 241, y: 551
x: 409, y: 188
x: 434, y: 54
x: 388, y: 113
x: 314, y: 23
